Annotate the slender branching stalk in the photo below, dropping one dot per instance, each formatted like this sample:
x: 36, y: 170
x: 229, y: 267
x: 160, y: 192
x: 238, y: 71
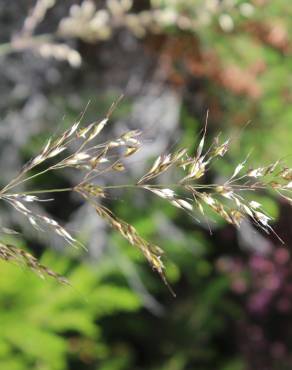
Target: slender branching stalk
x: 77, y: 148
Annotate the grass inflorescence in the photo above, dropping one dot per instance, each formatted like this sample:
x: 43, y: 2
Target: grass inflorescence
x: 78, y: 148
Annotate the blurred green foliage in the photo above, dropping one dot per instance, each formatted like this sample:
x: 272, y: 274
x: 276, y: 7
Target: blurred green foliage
x: 100, y: 323
x: 44, y: 325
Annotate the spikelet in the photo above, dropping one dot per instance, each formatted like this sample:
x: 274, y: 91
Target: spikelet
x: 13, y: 254
x: 151, y: 252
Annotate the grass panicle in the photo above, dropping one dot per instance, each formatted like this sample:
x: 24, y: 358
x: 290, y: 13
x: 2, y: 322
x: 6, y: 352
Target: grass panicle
x: 78, y: 148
